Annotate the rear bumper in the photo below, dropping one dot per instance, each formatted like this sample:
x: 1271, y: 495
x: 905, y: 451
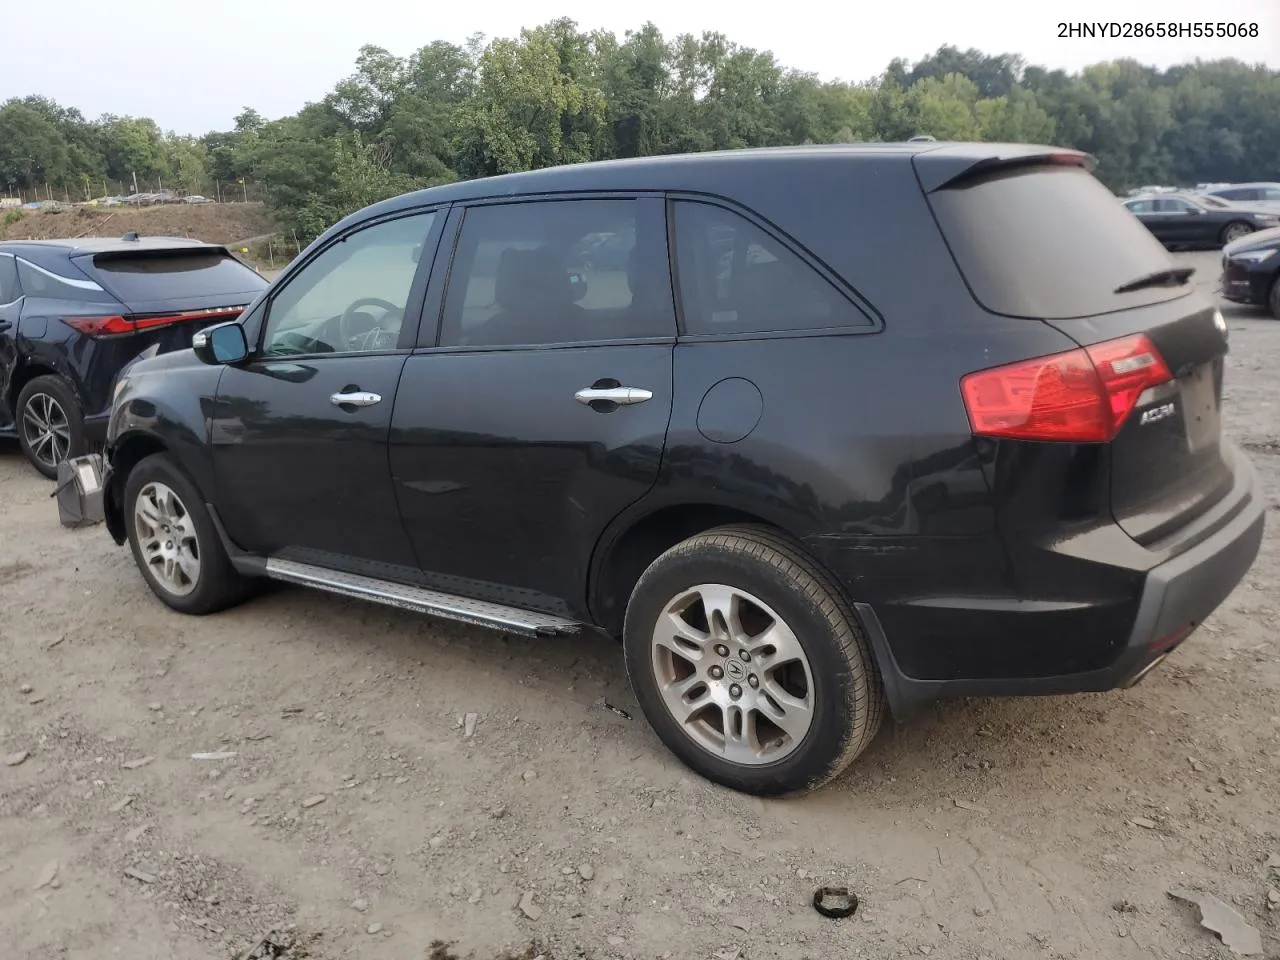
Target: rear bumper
x: 1175, y: 598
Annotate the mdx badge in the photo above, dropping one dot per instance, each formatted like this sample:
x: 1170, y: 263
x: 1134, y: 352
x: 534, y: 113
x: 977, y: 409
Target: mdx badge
x: 1161, y: 412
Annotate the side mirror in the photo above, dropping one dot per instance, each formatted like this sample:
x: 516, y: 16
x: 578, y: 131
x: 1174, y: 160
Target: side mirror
x: 222, y: 344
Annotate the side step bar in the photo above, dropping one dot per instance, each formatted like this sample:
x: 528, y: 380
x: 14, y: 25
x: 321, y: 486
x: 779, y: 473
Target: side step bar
x: 496, y: 616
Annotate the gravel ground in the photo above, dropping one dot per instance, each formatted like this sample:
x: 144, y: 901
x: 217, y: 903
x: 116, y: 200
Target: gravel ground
x: 354, y: 811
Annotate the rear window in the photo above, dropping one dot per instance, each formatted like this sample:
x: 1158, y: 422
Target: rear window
x: 1049, y: 243
x: 168, y: 276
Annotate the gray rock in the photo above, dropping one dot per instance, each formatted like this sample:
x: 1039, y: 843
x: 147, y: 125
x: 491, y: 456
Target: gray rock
x: 528, y: 907
x: 373, y: 928
x: 360, y: 905
x: 587, y: 872
x: 14, y: 759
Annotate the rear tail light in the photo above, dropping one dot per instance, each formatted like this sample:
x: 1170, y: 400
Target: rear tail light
x: 115, y: 326
x: 1081, y: 396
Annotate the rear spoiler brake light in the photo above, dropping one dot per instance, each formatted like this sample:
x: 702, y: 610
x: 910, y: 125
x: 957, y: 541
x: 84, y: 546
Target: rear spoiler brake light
x: 954, y: 174
x: 123, y: 325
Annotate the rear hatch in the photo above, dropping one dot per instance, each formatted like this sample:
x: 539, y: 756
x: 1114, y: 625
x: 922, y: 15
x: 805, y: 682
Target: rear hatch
x: 1042, y: 239
x: 167, y: 294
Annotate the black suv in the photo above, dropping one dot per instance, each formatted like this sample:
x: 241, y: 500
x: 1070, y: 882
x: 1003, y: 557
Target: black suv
x: 846, y: 430
x: 74, y: 312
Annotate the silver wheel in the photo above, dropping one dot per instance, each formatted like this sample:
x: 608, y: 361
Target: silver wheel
x: 46, y: 429
x: 167, y: 539
x: 1235, y: 231
x: 733, y: 675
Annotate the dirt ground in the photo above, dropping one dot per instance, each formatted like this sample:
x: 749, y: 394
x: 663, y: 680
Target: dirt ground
x: 213, y: 222
x: 357, y: 808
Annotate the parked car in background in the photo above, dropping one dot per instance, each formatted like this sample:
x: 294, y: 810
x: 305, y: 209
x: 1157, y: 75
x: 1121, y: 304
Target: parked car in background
x: 73, y: 312
x: 1251, y: 270
x: 196, y: 198
x: 1186, y: 220
x: 1262, y: 195
x: 800, y: 486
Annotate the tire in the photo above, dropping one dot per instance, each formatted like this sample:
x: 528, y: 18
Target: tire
x: 208, y: 584
x: 50, y: 424
x: 1234, y: 231
x: 836, y: 700
x: 1273, y: 298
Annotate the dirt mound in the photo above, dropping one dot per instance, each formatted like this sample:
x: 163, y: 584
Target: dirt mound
x: 213, y: 222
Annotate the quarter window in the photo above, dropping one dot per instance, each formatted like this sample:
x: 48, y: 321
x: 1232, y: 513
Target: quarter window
x: 736, y: 278
x: 559, y: 271
x: 354, y: 296
x: 8, y: 279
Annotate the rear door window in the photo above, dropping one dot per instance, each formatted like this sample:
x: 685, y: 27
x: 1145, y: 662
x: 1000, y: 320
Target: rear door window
x: 559, y: 271
x: 166, y: 275
x: 1049, y: 243
x: 736, y: 278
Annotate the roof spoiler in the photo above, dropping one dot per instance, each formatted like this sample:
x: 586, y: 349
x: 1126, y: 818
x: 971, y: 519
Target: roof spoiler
x: 105, y: 256
x: 952, y: 166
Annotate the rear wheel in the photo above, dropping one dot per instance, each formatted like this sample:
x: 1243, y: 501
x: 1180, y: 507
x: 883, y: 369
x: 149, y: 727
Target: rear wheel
x: 174, y: 542
x: 50, y: 425
x: 749, y: 663
x: 1234, y: 231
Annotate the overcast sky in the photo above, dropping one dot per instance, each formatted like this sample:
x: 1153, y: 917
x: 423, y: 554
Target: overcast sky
x: 194, y: 72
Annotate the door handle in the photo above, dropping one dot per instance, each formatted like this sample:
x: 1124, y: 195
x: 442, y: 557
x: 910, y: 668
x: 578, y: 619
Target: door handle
x: 622, y: 396
x: 357, y: 398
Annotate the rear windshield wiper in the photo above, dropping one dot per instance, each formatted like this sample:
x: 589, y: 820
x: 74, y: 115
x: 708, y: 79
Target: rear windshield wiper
x: 1173, y: 277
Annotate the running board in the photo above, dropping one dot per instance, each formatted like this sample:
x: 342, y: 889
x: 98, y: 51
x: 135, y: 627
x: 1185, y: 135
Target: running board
x: 482, y: 613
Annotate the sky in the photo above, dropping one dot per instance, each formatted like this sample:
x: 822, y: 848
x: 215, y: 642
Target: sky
x: 142, y: 59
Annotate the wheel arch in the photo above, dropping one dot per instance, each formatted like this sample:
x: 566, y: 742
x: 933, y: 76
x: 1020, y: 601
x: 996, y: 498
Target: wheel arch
x: 636, y: 540
x: 24, y: 374
x: 127, y: 452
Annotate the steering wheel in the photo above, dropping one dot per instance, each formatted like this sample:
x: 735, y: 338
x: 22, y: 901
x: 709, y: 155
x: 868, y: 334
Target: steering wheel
x: 345, y: 333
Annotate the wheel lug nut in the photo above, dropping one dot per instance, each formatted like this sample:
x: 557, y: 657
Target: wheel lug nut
x: 746, y: 657
x: 754, y: 681
x: 716, y: 673
x: 721, y: 650
x: 735, y: 691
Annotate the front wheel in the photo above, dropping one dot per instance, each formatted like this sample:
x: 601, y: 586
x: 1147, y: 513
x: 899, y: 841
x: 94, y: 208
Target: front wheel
x: 174, y: 542
x: 1234, y: 231
x: 1273, y: 298
x: 749, y: 663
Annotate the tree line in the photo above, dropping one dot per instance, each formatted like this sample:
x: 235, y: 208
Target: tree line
x: 556, y: 94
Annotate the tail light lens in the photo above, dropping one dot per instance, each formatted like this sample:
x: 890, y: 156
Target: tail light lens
x: 1081, y: 396
x: 115, y: 326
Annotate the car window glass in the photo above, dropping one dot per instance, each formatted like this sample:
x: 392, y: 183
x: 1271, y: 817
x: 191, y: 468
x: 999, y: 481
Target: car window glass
x: 352, y: 297
x: 8, y: 279
x: 38, y: 282
x: 562, y: 271
x: 736, y: 278
x: 1271, y: 194
x: 1174, y: 205
x: 1141, y: 206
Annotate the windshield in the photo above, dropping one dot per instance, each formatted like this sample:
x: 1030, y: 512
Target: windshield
x: 1050, y: 243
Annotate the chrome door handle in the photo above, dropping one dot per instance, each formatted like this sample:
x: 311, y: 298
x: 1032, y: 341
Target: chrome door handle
x: 622, y: 396
x: 359, y: 398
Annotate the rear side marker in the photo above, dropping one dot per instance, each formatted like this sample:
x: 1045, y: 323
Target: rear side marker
x: 1080, y: 396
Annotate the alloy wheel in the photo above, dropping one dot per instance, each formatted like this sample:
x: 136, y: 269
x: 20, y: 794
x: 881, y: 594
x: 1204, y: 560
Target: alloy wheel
x: 167, y: 539
x: 46, y: 429
x: 733, y: 675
